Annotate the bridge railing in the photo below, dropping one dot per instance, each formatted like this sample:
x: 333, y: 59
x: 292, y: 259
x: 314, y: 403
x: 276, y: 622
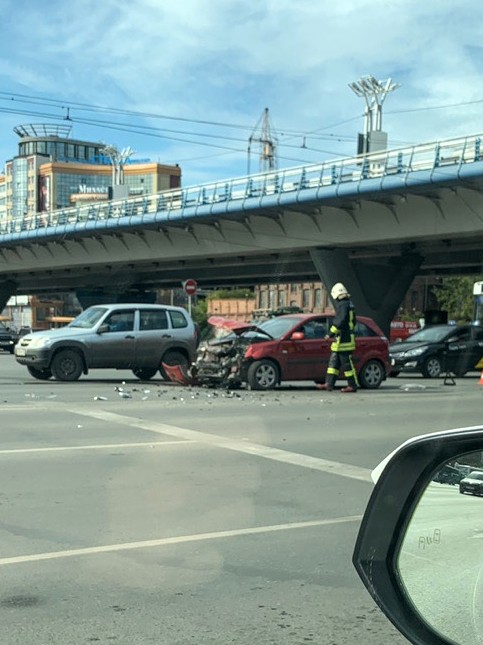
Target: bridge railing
x: 268, y: 187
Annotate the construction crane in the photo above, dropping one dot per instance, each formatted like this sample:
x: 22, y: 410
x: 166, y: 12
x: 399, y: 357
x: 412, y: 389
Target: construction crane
x: 263, y: 135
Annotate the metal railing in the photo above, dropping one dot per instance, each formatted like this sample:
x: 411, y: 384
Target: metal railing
x: 266, y: 189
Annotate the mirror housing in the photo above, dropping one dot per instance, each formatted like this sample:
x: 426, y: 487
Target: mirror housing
x: 401, y: 480
x: 297, y: 335
x: 103, y: 328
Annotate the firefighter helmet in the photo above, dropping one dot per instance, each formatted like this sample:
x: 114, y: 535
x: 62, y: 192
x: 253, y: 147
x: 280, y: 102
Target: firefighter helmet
x: 339, y: 291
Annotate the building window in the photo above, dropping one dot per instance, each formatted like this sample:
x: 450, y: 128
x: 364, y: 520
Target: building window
x: 263, y: 300
x: 281, y: 298
x: 318, y: 298
x: 306, y: 298
x: 272, y: 303
x: 294, y: 288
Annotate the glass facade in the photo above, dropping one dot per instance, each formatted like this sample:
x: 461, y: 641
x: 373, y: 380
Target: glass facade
x: 20, y: 187
x: 61, y: 149
x: 67, y: 184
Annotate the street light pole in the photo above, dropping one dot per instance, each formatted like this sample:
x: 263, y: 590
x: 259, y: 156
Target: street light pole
x: 374, y: 93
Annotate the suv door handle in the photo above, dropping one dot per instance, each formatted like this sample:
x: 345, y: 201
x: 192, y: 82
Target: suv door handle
x: 166, y: 336
x: 130, y: 336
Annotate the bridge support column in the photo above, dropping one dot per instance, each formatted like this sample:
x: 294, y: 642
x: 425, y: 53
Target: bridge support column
x: 8, y: 288
x: 377, y: 288
x: 89, y: 297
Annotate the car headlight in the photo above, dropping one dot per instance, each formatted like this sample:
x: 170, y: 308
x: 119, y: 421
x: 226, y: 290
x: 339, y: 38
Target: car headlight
x: 36, y: 343
x: 416, y: 352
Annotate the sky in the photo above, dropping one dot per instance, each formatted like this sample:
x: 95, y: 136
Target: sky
x: 187, y: 81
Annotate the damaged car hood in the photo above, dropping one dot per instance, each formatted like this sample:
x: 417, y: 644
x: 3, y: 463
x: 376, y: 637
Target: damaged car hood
x: 220, y: 360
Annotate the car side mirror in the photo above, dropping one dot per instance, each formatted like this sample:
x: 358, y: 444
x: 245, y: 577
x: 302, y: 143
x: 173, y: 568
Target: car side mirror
x: 417, y: 550
x: 297, y: 335
x: 103, y: 328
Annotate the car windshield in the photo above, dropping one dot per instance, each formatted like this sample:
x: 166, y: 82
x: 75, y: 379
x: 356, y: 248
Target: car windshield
x: 476, y: 475
x: 88, y: 318
x: 430, y: 335
x: 278, y: 327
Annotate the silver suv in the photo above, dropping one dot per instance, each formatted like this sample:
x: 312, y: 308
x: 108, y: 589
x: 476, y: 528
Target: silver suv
x: 129, y: 336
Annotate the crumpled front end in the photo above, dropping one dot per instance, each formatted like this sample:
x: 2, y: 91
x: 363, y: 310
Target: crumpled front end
x: 220, y: 362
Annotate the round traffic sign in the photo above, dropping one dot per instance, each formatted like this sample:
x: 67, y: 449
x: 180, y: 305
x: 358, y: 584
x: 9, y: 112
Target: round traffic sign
x: 190, y: 287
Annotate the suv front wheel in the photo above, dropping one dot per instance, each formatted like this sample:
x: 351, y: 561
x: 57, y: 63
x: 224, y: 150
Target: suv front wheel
x: 174, y: 357
x: 67, y: 365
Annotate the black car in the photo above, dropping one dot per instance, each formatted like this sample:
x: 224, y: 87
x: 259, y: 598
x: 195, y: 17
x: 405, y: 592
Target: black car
x: 438, y: 349
x: 472, y: 483
x: 8, y: 338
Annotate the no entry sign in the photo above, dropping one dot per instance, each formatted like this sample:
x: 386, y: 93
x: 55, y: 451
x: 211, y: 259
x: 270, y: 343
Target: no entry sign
x: 190, y: 286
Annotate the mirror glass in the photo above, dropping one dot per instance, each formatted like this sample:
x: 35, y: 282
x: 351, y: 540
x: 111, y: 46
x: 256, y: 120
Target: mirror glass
x: 440, y: 563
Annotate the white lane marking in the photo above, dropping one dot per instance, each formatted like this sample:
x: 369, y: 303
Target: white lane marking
x: 248, y: 447
x: 181, y: 539
x: 14, y: 451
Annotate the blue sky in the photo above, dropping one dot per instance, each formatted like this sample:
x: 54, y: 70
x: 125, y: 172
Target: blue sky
x: 210, y: 64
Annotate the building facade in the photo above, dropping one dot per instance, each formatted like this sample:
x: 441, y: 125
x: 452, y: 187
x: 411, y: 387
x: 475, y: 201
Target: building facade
x: 53, y: 171
x: 313, y: 297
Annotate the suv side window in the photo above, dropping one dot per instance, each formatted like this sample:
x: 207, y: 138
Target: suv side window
x: 120, y: 321
x: 178, y: 320
x: 150, y: 319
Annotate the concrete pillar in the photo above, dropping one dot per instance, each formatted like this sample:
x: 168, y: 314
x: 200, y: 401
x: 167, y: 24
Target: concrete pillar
x: 8, y: 288
x: 377, y: 287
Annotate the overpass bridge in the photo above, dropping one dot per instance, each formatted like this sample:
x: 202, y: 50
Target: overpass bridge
x: 372, y: 221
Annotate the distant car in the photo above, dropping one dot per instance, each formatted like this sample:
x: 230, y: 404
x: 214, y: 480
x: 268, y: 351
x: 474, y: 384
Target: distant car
x: 472, y: 483
x: 437, y: 349
x: 8, y: 338
x: 115, y: 336
x: 285, y: 348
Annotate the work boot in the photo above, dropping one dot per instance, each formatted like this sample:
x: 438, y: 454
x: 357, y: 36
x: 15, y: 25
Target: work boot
x: 325, y: 386
x: 348, y: 389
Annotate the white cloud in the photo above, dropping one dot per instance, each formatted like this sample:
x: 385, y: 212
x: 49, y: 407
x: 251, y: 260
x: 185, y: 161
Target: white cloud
x: 225, y: 60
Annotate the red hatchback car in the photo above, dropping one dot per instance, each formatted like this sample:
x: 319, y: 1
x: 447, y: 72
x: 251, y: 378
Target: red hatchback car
x: 298, y: 351
x: 285, y: 348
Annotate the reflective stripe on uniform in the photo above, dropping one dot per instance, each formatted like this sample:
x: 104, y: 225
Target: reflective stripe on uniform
x: 337, y: 346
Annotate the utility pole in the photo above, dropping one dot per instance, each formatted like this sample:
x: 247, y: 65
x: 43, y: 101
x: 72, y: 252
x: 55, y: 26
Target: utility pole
x: 263, y: 134
x: 374, y: 93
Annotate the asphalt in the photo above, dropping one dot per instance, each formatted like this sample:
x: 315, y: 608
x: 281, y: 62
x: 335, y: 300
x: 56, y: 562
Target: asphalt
x: 149, y: 513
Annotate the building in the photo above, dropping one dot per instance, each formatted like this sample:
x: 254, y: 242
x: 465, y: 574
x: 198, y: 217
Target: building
x: 53, y: 171
x: 313, y: 297
x: 309, y: 296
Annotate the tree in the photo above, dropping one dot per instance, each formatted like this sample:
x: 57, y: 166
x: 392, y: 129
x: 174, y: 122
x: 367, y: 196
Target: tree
x: 455, y: 295
x: 222, y: 294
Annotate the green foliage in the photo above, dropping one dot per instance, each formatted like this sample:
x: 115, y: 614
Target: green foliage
x: 455, y: 295
x: 199, y: 313
x: 231, y: 294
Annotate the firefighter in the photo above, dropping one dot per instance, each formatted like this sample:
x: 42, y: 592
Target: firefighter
x: 343, y: 341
